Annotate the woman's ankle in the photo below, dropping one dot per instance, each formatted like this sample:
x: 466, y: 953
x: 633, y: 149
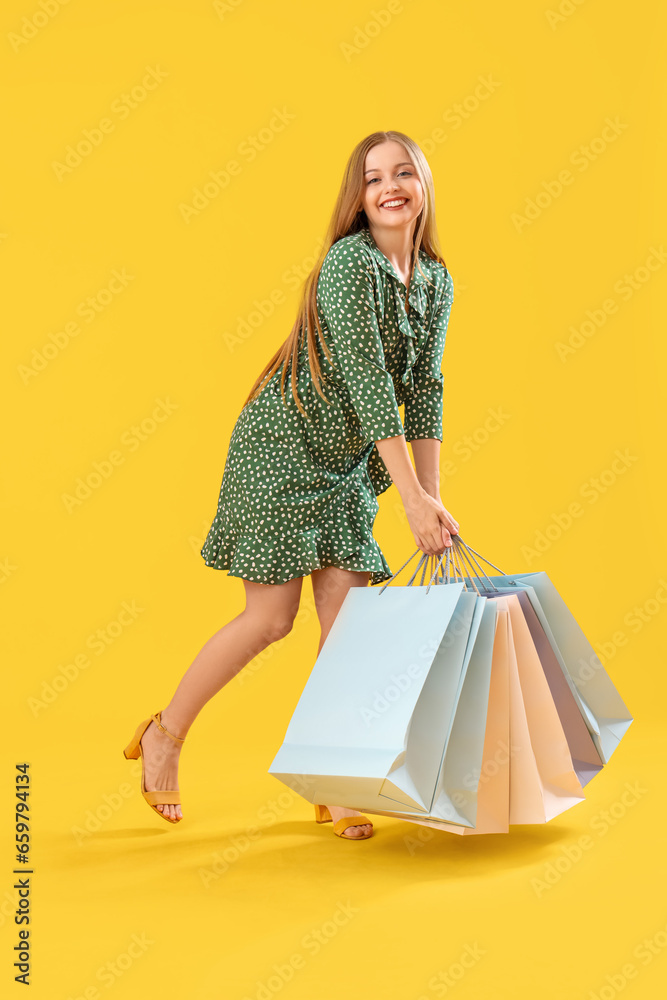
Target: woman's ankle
x: 170, y: 720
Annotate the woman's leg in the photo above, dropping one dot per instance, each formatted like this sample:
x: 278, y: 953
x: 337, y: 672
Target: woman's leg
x: 268, y: 615
x: 330, y: 587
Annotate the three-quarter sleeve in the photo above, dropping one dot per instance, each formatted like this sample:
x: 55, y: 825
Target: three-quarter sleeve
x: 423, y: 408
x: 348, y: 308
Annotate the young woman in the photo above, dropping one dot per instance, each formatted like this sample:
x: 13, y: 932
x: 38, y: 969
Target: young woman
x: 304, y: 465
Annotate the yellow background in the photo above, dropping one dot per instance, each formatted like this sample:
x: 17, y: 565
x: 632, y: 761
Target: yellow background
x: 415, y: 905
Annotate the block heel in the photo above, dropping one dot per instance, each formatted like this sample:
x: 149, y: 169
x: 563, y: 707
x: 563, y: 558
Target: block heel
x: 132, y: 751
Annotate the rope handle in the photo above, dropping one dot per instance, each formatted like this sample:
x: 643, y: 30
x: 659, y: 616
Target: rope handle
x: 459, y: 558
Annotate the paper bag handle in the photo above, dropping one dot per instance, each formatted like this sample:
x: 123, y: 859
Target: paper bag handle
x: 459, y: 556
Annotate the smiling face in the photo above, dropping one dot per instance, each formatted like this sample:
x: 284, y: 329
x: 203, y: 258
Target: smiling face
x: 392, y: 195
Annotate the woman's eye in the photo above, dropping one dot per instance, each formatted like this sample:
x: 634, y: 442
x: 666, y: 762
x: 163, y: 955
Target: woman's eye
x: 408, y: 172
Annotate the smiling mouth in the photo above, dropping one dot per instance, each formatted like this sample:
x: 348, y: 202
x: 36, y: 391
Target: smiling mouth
x: 394, y: 204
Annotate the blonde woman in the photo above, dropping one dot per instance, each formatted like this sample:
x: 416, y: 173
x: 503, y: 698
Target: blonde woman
x: 308, y: 457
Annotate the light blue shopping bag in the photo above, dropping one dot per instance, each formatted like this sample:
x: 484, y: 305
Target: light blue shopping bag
x: 403, y: 676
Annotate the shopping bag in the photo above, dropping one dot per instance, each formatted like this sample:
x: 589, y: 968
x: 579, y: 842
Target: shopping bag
x: 527, y: 774
x: 543, y: 779
x: 565, y: 754
x: 371, y: 725
x: 484, y: 777
x: 599, y: 703
x: 488, y: 728
x: 442, y: 715
x: 585, y: 756
x: 536, y: 780
x: 452, y: 756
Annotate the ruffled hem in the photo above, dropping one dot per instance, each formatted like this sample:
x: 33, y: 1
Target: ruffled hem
x: 346, y: 540
x: 277, y: 559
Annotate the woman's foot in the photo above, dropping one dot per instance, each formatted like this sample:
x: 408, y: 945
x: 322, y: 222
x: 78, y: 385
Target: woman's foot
x: 161, y: 755
x: 363, y: 830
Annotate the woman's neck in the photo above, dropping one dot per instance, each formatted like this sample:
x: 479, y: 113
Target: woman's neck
x: 396, y: 245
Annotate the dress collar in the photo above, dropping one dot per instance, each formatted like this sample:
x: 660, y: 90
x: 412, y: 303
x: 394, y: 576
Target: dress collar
x: 417, y: 296
x: 413, y: 326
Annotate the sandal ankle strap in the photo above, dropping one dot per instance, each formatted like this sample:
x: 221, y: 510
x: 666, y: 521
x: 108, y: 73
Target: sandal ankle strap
x: 163, y: 729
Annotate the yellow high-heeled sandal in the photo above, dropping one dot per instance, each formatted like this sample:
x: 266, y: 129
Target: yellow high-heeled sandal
x: 132, y: 751
x: 322, y: 815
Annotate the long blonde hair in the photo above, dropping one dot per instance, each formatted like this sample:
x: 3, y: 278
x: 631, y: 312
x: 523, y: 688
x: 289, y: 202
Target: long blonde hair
x: 347, y: 219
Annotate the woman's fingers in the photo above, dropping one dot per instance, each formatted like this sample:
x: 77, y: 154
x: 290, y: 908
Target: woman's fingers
x: 427, y: 544
x: 451, y: 523
x: 437, y: 541
x: 436, y: 544
x: 447, y: 529
x: 435, y: 536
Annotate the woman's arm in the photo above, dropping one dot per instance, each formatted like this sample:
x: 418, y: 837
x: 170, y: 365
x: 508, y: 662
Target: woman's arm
x: 426, y: 453
x: 423, y: 406
x: 431, y: 525
x: 348, y: 308
x: 422, y: 427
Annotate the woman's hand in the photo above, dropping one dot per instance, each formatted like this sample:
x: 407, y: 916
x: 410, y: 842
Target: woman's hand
x: 431, y: 524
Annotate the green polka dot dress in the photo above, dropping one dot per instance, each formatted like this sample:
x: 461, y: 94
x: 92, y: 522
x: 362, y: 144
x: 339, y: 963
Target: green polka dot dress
x: 299, y: 493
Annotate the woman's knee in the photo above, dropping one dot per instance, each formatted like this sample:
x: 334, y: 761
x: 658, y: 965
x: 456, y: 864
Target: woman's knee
x: 272, y: 609
x: 270, y: 628
x: 280, y: 627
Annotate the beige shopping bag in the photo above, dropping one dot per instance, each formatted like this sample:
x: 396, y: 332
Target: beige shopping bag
x: 536, y: 780
x: 544, y: 782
